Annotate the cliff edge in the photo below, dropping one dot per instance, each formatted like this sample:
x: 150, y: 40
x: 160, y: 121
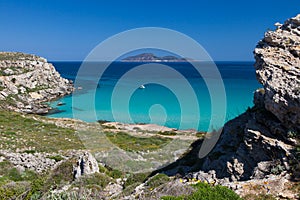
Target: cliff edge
x: 28, y: 81
x: 263, y: 142
x: 278, y: 69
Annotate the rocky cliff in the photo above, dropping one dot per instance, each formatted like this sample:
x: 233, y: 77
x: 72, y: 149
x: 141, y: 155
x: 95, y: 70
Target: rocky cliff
x: 262, y: 141
x: 27, y: 81
x: 278, y: 69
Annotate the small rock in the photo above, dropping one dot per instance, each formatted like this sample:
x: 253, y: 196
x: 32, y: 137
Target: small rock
x: 61, y: 104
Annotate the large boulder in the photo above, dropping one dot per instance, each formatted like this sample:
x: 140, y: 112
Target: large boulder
x: 86, y: 164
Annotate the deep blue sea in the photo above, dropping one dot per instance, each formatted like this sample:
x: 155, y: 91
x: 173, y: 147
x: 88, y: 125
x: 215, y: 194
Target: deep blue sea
x: 176, y: 96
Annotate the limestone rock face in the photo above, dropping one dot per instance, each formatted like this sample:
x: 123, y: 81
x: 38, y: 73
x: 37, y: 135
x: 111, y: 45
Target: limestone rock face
x: 251, y: 146
x: 26, y: 81
x: 261, y: 142
x: 85, y: 165
x: 278, y: 69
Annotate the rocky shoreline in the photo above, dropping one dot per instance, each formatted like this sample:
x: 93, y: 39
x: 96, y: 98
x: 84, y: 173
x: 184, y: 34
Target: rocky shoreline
x: 27, y: 82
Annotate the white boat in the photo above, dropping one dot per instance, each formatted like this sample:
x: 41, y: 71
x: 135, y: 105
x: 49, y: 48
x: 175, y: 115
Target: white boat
x: 142, y: 87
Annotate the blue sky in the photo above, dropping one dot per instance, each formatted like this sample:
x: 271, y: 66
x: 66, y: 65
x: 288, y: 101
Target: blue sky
x: 70, y: 29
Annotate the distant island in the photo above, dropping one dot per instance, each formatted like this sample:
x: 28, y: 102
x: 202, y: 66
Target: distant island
x: 149, y: 57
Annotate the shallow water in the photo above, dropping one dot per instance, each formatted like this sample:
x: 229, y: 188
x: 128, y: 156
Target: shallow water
x: 165, y: 100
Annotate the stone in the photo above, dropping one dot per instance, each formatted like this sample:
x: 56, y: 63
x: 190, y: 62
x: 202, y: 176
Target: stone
x: 2, y: 158
x: 86, y: 164
x: 20, y: 105
x: 8, y: 71
x: 42, y: 111
x: 4, y: 94
x: 61, y: 104
x: 235, y: 169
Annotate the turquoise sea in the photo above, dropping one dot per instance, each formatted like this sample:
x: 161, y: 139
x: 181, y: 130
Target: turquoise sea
x: 110, y: 97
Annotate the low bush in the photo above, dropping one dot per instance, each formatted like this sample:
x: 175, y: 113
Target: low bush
x: 96, y: 179
x: 136, y: 178
x: 205, y: 191
x: 157, y: 180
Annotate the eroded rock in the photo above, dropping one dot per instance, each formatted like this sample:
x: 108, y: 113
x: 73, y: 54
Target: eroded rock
x: 30, y: 80
x: 86, y: 164
x: 278, y: 69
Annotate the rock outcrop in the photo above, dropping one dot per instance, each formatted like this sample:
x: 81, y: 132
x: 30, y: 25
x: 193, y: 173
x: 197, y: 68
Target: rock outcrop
x: 86, y: 164
x: 278, y: 69
x: 262, y: 141
x: 27, y: 81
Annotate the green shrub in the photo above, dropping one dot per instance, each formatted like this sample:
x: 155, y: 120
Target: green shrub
x: 259, y: 197
x: 200, y: 134
x: 136, y: 178
x: 97, y: 179
x: 29, y: 151
x: 15, y: 175
x: 130, y: 189
x: 132, y: 143
x: 157, y: 180
x: 14, y: 190
x: 169, y: 133
x: 37, y: 188
x: 10, y: 133
x: 206, y: 192
x: 57, y: 158
x: 62, y: 173
x: 5, y: 166
x: 292, y: 134
x: 102, y: 169
x: 21, y: 131
x: 115, y: 173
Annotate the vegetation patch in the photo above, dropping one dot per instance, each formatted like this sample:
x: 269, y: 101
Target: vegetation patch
x: 157, y: 180
x: 57, y: 158
x: 170, y: 133
x: 14, y: 190
x: 131, y: 143
x: 200, y: 134
x: 37, y: 88
x: 205, y: 191
x: 94, y: 180
x: 113, y: 173
x: 13, y: 56
x: 136, y: 178
x: 19, y: 131
x: 63, y: 173
x: 259, y: 197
